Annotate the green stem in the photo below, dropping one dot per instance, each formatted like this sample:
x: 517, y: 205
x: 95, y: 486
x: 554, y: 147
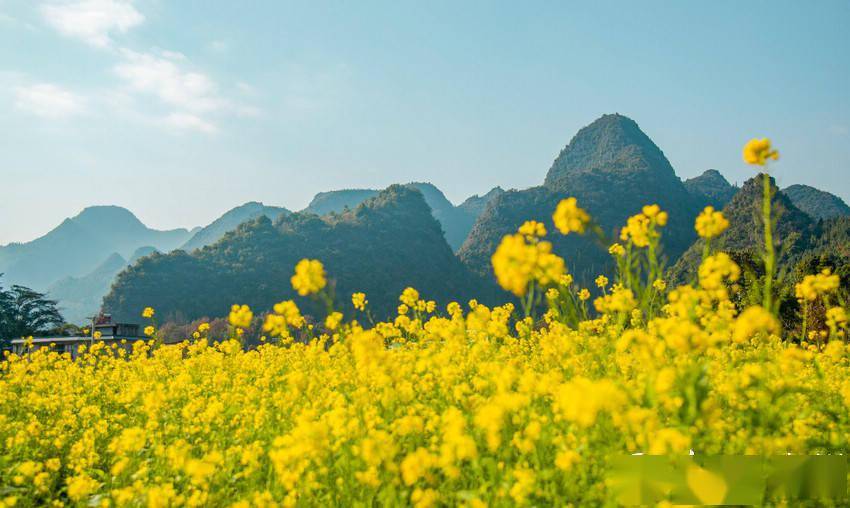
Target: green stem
x: 769, y: 256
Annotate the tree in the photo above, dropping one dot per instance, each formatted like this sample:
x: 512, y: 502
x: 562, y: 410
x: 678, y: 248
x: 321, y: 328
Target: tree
x: 25, y: 312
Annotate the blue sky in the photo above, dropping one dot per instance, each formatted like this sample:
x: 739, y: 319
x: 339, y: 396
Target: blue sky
x: 180, y: 110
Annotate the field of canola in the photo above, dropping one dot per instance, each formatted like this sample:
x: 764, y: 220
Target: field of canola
x: 459, y: 405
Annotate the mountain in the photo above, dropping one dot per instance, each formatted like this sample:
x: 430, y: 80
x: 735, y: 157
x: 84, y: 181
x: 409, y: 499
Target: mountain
x: 456, y: 221
x: 380, y: 247
x: 81, y: 297
x: 229, y: 221
x: 338, y: 201
x: 80, y: 244
x: 475, y: 205
x: 816, y: 203
x: 613, y: 169
x: 795, y: 232
x: 712, y: 188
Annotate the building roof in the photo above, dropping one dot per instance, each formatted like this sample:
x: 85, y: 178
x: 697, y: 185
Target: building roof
x: 61, y: 340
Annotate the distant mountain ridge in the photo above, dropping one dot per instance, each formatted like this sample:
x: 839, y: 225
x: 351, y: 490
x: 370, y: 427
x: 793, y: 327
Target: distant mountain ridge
x: 229, y: 221
x: 80, y: 244
x: 613, y: 169
x: 81, y: 297
x: 380, y: 247
x: 794, y: 232
x: 711, y: 187
x: 817, y: 203
x: 456, y: 221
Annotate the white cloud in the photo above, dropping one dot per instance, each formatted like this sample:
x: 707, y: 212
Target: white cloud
x: 48, y: 101
x: 192, y: 97
x: 188, y: 121
x: 165, y: 77
x: 92, y: 21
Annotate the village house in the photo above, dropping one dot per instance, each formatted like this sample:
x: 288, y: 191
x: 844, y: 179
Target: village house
x: 102, y: 330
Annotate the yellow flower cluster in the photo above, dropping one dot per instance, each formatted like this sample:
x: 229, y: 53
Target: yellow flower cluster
x: 570, y: 218
x: 533, y: 229
x: 359, y: 301
x: 516, y: 418
x: 240, y: 316
x: 640, y: 229
x: 710, y: 223
x: 619, y: 300
x: 517, y: 263
x: 286, y: 314
x: 816, y: 286
x: 475, y: 407
x: 758, y: 151
x: 309, y: 277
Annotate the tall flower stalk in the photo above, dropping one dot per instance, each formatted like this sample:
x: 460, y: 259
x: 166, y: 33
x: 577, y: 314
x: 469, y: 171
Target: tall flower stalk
x: 758, y: 152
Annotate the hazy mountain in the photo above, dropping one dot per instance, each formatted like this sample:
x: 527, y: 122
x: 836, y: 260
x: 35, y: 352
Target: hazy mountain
x: 229, y: 221
x: 80, y: 244
x: 816, y: 203
x: 380, y: 247
x: 456, y: 221
x: 81, y: 297
x: 338, y: 201
x: 711, y: 187
x: 613, y: 169
x: 475, y: 205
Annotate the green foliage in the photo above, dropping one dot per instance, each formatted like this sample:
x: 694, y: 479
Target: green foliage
x: 386, y: 243
x: 456, y: 221
x: 24, y: 312
x: 613, y: 169
x: 230, y: 221
x: 711, y: 188
x: 816, y: 203
x: 794, y: 232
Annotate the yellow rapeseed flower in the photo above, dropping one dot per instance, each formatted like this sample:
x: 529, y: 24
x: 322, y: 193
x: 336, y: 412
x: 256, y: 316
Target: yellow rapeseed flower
x: 569, y: 217
x: 710, y: 223
x: 758, y: 151
x: 359, y: 301
x: 309, y: 277
x: 517, y: 263
x: 240, y: 316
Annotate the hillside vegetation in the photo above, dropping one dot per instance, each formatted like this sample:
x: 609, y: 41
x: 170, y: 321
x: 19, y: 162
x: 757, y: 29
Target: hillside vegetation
x: 368, y: 247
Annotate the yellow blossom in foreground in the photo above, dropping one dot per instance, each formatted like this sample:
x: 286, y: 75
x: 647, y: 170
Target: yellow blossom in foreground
x: 333, y: 320
x: 309, y: 277
x: 148, y: 312
x: 637, y: 230
x: 475, y: 407
x: 753, y: 321
x: 532, y: 228
x: 818, y: 285
x: 710, y: 223
x: 569, y: 217
x: 149, y: 330
x: 359, y: 301
x: 517, y: 263
x: 240, y: 316
x: 617, y: 250
x: 758, y: 151
x: 409, y: 297
x: 601, y: 281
